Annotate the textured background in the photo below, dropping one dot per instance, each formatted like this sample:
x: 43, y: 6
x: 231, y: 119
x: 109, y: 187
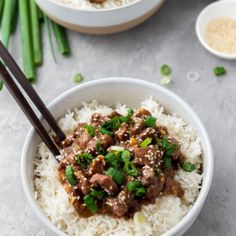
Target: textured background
x: 168, y: 37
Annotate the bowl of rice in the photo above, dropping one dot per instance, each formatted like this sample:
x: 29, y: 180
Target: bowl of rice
x: 168, y: 215
x: 99, y: 16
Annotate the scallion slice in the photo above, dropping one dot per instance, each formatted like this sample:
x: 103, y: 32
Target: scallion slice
x: 84, y: 159
x: 165, y: 80
x: 69, y: 173
x: 188, y: 166
x: 90, y: 203
x: 130, y: 168
x: 125, y: 155
x: 165, y: 70
x: 116, y: 174
x: 219, y: 70
x: 99, y: 194
x: 145, y: 142
x: 131, y: 186
x: 90, y: 129
x: 150, y: 121
x: 140, y: 191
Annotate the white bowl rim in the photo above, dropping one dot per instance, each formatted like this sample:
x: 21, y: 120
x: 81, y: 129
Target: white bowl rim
x: 187, y: 219
x: 97, y: 10
x: 201, y: 37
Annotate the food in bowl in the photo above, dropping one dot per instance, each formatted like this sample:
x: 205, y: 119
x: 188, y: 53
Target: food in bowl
x: 96, y: 4
x: 174, y: 173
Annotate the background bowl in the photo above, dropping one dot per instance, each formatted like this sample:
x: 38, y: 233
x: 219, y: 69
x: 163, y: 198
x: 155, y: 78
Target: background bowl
x: 100, y: 21
x: 226, y: 8
x: 130, y: 92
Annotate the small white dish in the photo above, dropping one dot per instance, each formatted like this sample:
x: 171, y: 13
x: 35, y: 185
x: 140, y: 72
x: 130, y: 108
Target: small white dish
x: 100, y: 21
x: 130, y: 92
x: 226, y: 8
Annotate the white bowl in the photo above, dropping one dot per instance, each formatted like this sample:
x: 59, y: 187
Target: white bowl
x: 100, y: 21
x: 130, y: 92
x: 226, y: 8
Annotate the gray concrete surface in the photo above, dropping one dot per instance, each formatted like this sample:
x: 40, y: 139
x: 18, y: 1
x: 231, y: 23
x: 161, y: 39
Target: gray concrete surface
x: 168, y: 37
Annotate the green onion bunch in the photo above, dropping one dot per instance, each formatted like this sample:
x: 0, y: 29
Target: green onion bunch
x: 31, y: 20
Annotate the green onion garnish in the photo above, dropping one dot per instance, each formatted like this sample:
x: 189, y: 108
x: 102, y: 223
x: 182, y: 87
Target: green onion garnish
x: 130, y: 168
x: 90, y: 203
x: 84, y: 159
x: 131, y: 186
x: 100, y: 149
x: 150, y: 121
x: 145, y: 142
x: 78, y: 78
x: 90, y: 130
x: 136, y: 187
x: 1, y: 85
x: 219, y: 70
x: 165, y: 80
x: 116, y: 174
x: 69, y: 173
x: 112, y: 159
x: 165, y: 70
x: 188, y: 166
x: 140, y: 191
x: 168, y: 147
x: 126, y: 118
x: 125, y: 155
x: 99, y: 194
x: 104, y: 131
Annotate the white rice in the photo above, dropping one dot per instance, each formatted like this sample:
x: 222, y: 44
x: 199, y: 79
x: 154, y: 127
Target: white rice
x: 153, y: 219
x: 86, y: 4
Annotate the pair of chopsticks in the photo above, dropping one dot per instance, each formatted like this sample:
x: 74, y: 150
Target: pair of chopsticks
x: 11, y: 65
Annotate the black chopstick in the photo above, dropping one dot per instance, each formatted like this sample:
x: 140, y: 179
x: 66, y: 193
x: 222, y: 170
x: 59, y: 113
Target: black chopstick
x: 30, y: 91
x: 22, y: 102
x: 11, y: 85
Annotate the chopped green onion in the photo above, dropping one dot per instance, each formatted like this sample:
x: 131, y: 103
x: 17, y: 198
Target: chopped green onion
x: 90, y: 203
x: 1, y: 85
x: 150, y: 121
x: 165, y: 80
x: 140, y: 191
x: 112, y: 159
x: 168, y: 147
x: 188, y: 166
x: 130, y: 168
x: 99, y: 194
x: 145, y: 142
x: 130, y: 112
x: 84, y: 159
x: 125, y: 155
x: 90, y: 130
x: 168, y: 162
x: 116, y: 174
x: 100, y: 149
x: 104, y: 131
x: 131, y: 186
x: 112, y: 124
x: 165, y: 70
x: 219, y: 70
x: 69, y: 172
x: 78, y: 78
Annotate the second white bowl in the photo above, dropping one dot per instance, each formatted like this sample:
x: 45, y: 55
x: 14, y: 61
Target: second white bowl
x: 100, y: 21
